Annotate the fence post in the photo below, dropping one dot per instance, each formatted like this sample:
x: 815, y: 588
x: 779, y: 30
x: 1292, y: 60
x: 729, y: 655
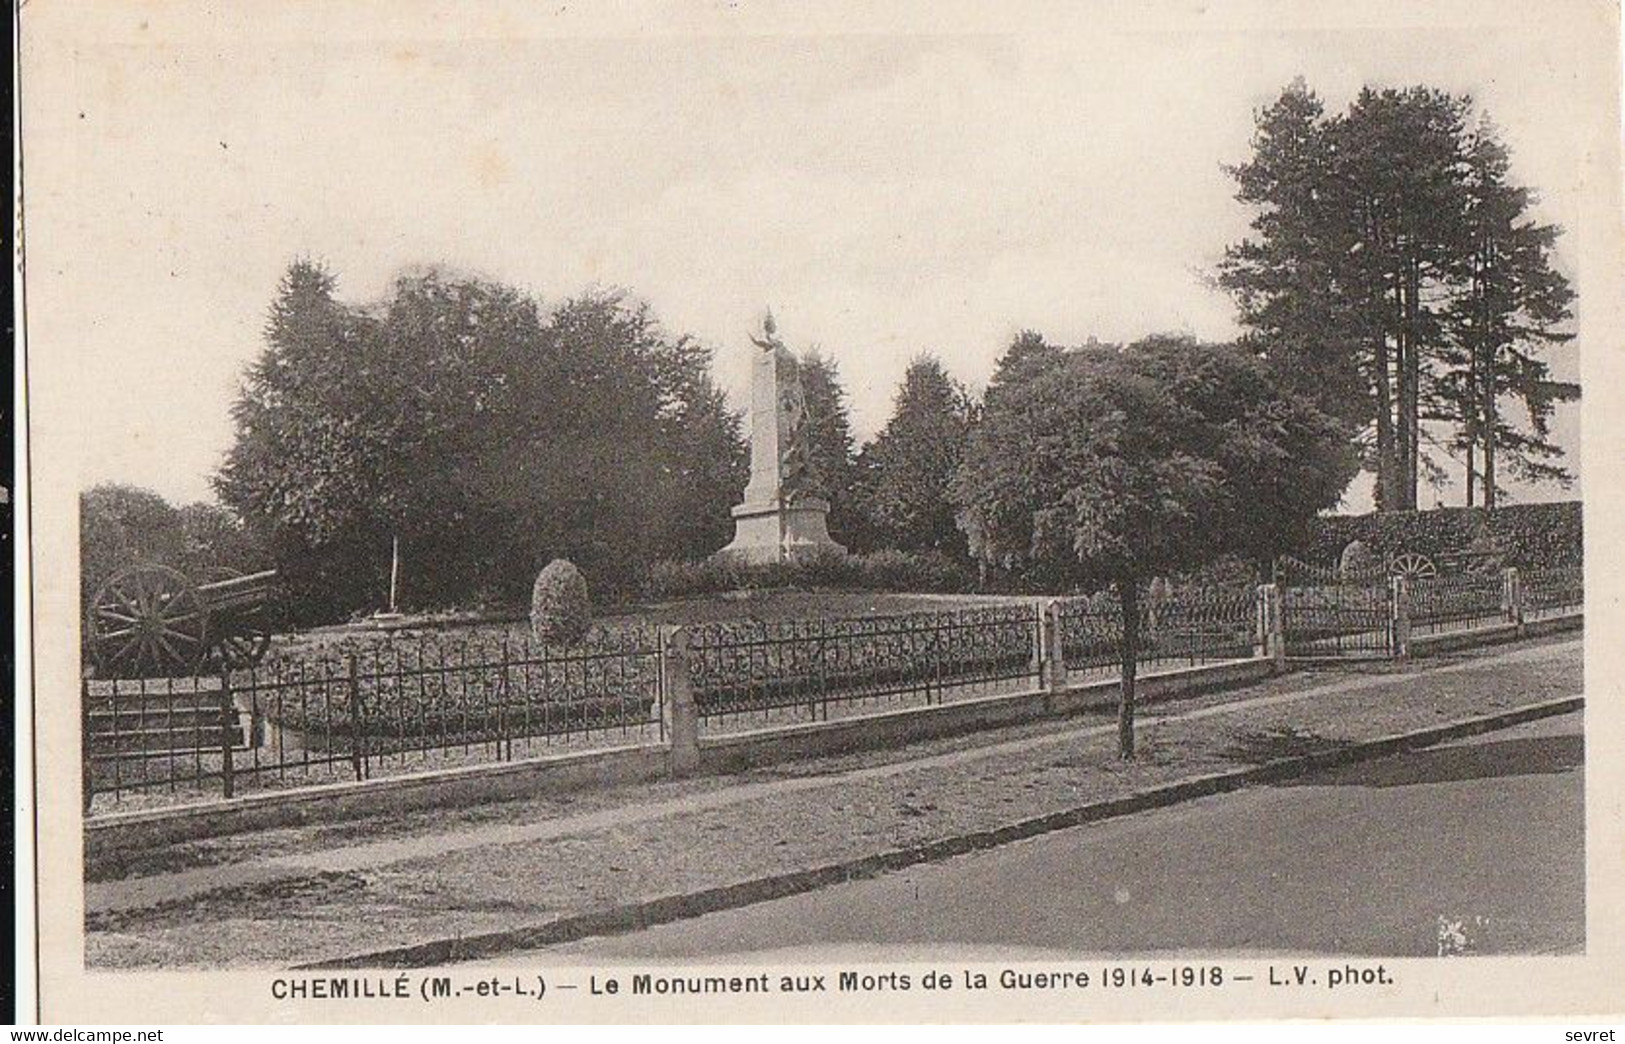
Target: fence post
x: 1512, y: 599
x: 1037, y: 662
x: 504, y: 735
x: 1400, y: 611
x: 228, y: 739
x: 1271, y: 637
x: 1052, y: 670
x: 679, y: 714
x: 87, y: 750
x: 1261, y: 622
x: 358, y: 758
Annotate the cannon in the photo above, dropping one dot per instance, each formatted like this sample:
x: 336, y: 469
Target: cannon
x: 153, y: 620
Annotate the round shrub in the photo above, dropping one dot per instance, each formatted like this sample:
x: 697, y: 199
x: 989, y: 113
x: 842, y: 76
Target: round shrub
x: 560, y: 611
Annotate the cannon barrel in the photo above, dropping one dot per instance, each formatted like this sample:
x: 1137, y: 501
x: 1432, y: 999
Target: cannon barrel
x: 251, y: 589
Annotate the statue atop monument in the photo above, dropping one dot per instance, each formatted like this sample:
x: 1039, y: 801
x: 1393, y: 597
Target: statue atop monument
x: 794, y: 449
x: 780, y: 517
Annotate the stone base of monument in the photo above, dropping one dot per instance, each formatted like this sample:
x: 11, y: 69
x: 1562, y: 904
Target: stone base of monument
x: 780, y: 531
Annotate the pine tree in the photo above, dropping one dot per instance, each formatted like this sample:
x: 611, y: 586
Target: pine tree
x: 1511, y: 306
x: 831, y: 457
x: 1383, y: 249
x: 1291, y: 281
x: 1397, y: 156
x: 908, y: 469
x: 1026, y: 352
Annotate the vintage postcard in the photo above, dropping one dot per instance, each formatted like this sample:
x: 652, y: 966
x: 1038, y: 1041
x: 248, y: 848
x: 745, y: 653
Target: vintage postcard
x: 772, y: 512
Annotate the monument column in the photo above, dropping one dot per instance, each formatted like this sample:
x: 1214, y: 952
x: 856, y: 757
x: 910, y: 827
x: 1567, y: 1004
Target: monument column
x: 766, y: 439
x: 778, y: 520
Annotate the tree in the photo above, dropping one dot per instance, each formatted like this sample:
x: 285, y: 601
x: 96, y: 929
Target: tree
x: 1378, y: 233
x: 909, y: 467
x: 485, y: 435
x: 580, y: 464
x: 357, y: 426
x: 121, y: 525
x: 1027, y: 355
x: 301, y: 470
x: 1027, y: 351
x: 1150, y: 460
x: 1397, y: 156
x: 215, y: 539
x: 1293, y: 282
x: 1512, y: 305
x: 830, y: 448
x: 705, y: 463
x: 440, y: 390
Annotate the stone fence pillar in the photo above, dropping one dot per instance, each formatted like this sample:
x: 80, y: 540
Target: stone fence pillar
x: 678, y: 712
x: 1512, y: 599
x: 1053, y: 669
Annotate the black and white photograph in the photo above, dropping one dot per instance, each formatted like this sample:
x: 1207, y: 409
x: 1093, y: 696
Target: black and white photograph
x: 765, y: 512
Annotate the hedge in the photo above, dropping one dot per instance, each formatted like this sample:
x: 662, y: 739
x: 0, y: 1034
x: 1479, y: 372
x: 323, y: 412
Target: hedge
x: 888, y: 570
x: 1525, y: 535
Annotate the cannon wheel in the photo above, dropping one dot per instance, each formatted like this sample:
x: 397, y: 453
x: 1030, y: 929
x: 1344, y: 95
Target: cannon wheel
x: 146, y: 620
x: 1412, y: 566
x: 245, y: 644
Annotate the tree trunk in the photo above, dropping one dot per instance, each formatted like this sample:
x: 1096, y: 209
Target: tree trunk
x: 1402, y: 433
x: 1386, y: 487
x: 1491, y: 419
x: 1128, y: 595
x: 1376, y: 302
x: 1413, y: 380
x: 1490, y: 423
x: 1469, y: 420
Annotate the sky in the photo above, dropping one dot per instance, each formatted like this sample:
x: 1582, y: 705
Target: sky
x: 927, y: 179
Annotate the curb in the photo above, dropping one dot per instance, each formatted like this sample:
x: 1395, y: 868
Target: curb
x: 634, y: 916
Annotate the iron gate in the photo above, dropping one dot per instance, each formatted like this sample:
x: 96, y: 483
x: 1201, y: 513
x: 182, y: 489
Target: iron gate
x: 1329, y: 615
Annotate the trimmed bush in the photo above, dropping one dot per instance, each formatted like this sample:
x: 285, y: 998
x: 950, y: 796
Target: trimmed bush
x: 560, y: 611
x: 918, y: 571
x: 823, y: 567
x: 927, y: 571
x: 670, y: 578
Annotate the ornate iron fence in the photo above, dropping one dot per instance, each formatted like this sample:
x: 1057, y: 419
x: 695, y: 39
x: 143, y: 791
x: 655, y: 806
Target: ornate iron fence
x: 1454, y: 603
x: 1325, y: 613
x: 171, y: 734
x: 802, y: 669
x: 1184, y: 628
x: 398, y: 702
x: 368, y: 708
x: 1556, y: 591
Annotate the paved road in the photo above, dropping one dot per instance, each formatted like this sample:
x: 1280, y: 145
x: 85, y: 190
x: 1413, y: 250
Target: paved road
x: 1488, y: 832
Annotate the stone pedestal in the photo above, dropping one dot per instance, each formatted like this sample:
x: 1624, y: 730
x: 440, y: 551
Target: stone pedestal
x: 780, y: 532
x: 775, y: 523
